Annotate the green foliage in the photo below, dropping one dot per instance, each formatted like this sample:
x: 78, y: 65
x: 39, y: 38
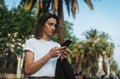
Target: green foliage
x: 68, y: 32
x: 113, y: 65
x: 15, y: 26
x: 85, y: 53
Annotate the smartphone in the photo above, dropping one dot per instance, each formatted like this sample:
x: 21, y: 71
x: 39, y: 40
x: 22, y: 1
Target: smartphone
x: 67, y: 43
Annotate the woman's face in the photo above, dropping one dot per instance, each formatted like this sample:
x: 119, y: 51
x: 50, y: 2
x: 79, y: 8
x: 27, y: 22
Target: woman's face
x: 49, y: 27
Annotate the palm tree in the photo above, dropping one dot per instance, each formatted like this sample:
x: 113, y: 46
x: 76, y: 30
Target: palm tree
x: 113, y: 65
x: 107, y: 48
x: 92, y: 50
x: 88, y: 51
x: 56, y: 6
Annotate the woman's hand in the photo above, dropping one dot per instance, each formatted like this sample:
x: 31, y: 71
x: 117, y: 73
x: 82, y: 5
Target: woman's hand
x: 56, y: 51
x: 65, y: 53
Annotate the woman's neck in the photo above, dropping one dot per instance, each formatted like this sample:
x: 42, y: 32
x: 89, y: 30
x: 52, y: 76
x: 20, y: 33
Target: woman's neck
x: 46, y: 38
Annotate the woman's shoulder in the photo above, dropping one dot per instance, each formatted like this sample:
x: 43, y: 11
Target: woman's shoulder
x: 56, y: 43
x: 31, y: 39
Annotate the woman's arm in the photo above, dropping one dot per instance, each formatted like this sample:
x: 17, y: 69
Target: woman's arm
x: 32, y: 67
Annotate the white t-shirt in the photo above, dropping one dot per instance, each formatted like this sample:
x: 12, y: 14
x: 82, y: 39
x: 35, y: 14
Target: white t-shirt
x: 40, y: 48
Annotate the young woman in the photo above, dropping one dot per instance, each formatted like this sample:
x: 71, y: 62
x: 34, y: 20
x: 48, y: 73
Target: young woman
x: 41, y: 53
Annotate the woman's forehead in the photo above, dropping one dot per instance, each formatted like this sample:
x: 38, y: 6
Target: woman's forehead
x: 53, y: 20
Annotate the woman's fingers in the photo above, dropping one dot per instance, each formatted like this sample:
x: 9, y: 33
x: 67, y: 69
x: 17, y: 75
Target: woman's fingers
x: 56, y: 51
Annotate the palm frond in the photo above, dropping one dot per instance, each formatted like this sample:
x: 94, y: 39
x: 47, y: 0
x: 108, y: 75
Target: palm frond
x: 40, y: 4
x: 39, y: 7
x: 55, y: 5
x: 68, y: 6
x: 28, y: 4
x: 89, y: 3
x: 74, y: 7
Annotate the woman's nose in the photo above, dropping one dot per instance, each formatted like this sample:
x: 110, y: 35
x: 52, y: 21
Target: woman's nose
x: 53, y: 27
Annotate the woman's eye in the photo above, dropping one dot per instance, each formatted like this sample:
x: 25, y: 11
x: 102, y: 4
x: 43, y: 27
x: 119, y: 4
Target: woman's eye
x: 50, y: 24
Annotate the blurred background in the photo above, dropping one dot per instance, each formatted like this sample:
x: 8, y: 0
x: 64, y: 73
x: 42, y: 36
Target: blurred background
x: 93, y: 25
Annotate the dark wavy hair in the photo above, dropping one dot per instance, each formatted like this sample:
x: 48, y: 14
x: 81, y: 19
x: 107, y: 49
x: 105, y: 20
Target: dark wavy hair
x: 38, y: 30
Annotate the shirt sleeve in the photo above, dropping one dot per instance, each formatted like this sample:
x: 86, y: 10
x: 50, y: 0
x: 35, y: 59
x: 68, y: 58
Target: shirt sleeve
x: 28, y: 46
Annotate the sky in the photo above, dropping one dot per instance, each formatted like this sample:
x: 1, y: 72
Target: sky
x: 105, y: 18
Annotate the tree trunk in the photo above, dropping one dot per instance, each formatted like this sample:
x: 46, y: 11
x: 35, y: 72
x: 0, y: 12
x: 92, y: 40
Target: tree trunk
x: 19, y: 66
x: 100, y: 71
x: 60, y: 30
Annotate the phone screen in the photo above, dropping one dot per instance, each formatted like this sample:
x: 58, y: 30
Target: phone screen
x: 67, y: 43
